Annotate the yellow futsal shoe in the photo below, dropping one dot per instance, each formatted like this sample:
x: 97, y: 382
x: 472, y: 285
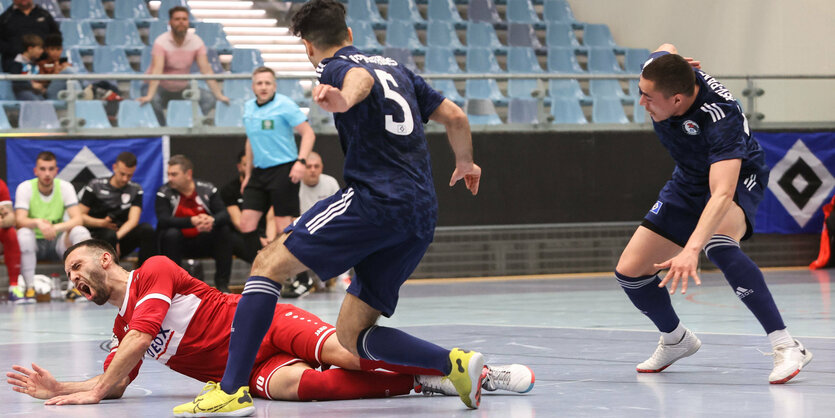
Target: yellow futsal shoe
x: 214, y: 402
x: 467, y: 375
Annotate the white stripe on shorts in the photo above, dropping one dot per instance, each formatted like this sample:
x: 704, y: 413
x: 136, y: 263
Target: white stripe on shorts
x: 330, y: 209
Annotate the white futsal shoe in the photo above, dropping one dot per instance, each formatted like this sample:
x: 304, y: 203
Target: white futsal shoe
x: 512, y: 378
x: 788, y: 361
x: 667, y: 354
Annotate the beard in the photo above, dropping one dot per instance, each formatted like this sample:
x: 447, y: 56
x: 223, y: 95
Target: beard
x: 102, y: 293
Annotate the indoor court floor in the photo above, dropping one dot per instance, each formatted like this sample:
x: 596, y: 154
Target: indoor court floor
x: 578, y: 333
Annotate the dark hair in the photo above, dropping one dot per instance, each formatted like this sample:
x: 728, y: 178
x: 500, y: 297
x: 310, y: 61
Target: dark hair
x: 30, y: 39
x: 671, y: 74
x: 321, y: 22
x: 241, y: 154
x: 181, y: 161
x: 53, y: 40
x: 127, y: 158
x: 263, y: 70
x: 176, y: 9
x: 45, y: 156
x: 94, y: 243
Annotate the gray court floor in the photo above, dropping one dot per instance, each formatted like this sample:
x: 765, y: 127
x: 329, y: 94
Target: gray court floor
x: 580, y: 335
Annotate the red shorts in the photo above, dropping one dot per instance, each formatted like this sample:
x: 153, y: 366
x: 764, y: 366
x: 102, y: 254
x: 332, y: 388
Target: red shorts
x: 295, y: 335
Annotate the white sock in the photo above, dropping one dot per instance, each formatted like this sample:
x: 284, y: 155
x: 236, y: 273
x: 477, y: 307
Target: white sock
x: 674, y: 336
x: 780, y: 337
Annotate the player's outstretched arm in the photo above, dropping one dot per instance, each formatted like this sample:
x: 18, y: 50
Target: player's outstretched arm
x: 460, y: 139
x: 39, y: 383
x: 356, y: 85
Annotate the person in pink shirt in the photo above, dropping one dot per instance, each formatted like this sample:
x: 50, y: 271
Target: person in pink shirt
x: 174, y: 52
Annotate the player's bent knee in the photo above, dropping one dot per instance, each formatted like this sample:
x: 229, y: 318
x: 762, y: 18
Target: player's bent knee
x: 284, y: 384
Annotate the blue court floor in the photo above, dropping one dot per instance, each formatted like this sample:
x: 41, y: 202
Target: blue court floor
x: 579, y: 334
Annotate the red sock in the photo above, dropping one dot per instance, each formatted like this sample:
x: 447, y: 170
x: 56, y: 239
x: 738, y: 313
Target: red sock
x: 11, y: 253
x: 341, y: 384
x: 366, y: 364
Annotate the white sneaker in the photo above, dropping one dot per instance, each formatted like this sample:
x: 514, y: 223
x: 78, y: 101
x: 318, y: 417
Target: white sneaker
x: 430, y: 385
x: 788, y: 361
x: 667, y: 354
x: 512, y: 377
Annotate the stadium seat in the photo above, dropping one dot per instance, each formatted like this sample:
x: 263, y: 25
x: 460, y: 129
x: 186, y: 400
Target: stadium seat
x: 145, y: 59
x: 123, y: 34
x: 292, y: 89
x: 73, y: 56
x: 606, y: 88
x: 603, y: 60
x: 238, y: 89
x: 634, y: 90
x: 403, y: 56
x: 4, y: 120
x: 448, y: 89
x: 482, y: 34
x: 50, y: 6
x: 135, y: 89
x: 229, y: 115
x: 364, y: 37
x: 442, y: 34
x: 444, y: 11
x: 92, y: 111
x: 214, y: 61
x: 133, y: 115
x: 608, y: 110
x: 366, y: 11
x: 78, y: 34
x: 483, y: 11
x: 157, y: 28
x: 560, y: 34
x: 165, y: 5
x: 597, y: 35
x: 179, y: 114
x: 523, y: 111
x: 521, y: 11
x: 567, y: 110
x: 482, y: 60
x: 563, y: 60
x: 566, y: 88
x: 136, y: 10
x: 522, y: 34
x: 401, y: 34
x: 4, y: 4
x: 6, y: 92
x: 557, y: 11
x: 639, y: 114
x: 522, y: 60
x: 440, y: 61
x: 484, y: 89
x: 108, y: 59
x: 213, y: 36
x: 90, y: 10
x: 38, y: 115
x: 405, y: 10
x: 634, y: 59
x: 482, y: 112
x: 245, y: 60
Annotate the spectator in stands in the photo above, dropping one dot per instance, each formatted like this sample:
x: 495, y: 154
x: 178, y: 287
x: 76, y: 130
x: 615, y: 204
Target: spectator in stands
x: 245, y: 246
x: 21, y: 19
x: 48, y: 219
x: 26, y: 63
x: 53, y: 63
x: 174, y: 52
x: 192, y: 220
x: 11, y: 249
x: 111, y: 208
x: 315, y: 185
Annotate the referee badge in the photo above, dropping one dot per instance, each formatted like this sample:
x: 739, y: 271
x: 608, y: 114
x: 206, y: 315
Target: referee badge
x: 267, y: 125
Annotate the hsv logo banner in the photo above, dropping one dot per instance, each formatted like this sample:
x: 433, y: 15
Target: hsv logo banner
x: 80, y: 160
x: 801, y: 181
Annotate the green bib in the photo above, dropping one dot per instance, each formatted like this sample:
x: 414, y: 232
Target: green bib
x: 52, y: 211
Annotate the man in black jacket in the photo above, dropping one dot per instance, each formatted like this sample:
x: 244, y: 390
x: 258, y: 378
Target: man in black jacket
x: 22, y: 18
x: 192, y: 220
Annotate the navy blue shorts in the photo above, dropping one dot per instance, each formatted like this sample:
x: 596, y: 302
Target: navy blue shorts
x: 676, y: 213
x: 331, y: 237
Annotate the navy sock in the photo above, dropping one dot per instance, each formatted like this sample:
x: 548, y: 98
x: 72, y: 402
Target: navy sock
x: 746, y: 279
x: 253, y: 317
x: 396, y: 347
x: 651, y: 300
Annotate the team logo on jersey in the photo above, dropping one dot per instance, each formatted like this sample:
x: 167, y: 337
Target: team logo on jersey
x: 125, y: 198
x: 267, y: 124
x: 690, y: 127
x: 656, y: 207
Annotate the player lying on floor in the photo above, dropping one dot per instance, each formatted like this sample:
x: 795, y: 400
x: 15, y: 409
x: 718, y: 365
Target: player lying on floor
x: 169, y: 316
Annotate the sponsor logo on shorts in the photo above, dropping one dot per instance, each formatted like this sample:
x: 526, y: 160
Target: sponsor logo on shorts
x: 259, y: 383
x: 320, y: 330
x: 750, y: 182
x: 690, y: 127
x: 656, y: 207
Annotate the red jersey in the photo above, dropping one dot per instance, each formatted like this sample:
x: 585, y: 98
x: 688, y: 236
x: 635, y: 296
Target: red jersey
x: 188, y: 207
x: 5, y: 198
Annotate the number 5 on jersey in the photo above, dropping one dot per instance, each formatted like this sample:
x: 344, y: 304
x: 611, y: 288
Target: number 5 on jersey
x: 398, y: 128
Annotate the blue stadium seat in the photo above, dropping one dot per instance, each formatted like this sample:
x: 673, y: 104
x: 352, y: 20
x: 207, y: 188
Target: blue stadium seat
x: 213, y: 36
x: 563, y: 60
x: 179, y: 114
x: 401, y: 34
x: 606, y: 88
x: 482, y: 60
x: 7, y: 97
x: 38, y: 115
x: 90, y: 10
x: 136, y: 10
x: 145, y: 59
x: 522, y: 34
x: 230, y: 115
x: 108, y: 59
x: 634, y: 58
x: 73, y: 56
x: 521, y: 11
x: 92, y: 111
x: 522, y: 60
x: 566, y: 88
x: 292, y: 89
x: 440, y: 61
x: 365, y: 10
x: 364, y: 37
x: 245, y: 60
x: 214, y: 61
x: 123, y: 34
x: 484, y: 89
x: 444, y: 11
x: 523, y: 111
x: 135, y: 89
x: 4, y: 4
x: 448, y: 89
x: 567, y: 110
x: 597, y: 35
x: 608, y: 110
x: 560, y: 34
x: 4, y: 120
x: 482, y: 34
x: 403, y: 56
x: 238, y: 89
x: 405, y: 10
x: 165, y: 5
x: 157, y: 28
x: 78, y: 34
x: 482, y: 112
x: 133, y: 115
x: 50, y: 6
x: 442, y: 34
x: 634, y: 90
x: 639, y: 114
x: 557, y: 11
x: 483, y: 11
x: 603, y: 60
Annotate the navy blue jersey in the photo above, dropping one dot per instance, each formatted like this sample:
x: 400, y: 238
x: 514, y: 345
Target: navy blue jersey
x: 386, y: 155
x: 713, y: 129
